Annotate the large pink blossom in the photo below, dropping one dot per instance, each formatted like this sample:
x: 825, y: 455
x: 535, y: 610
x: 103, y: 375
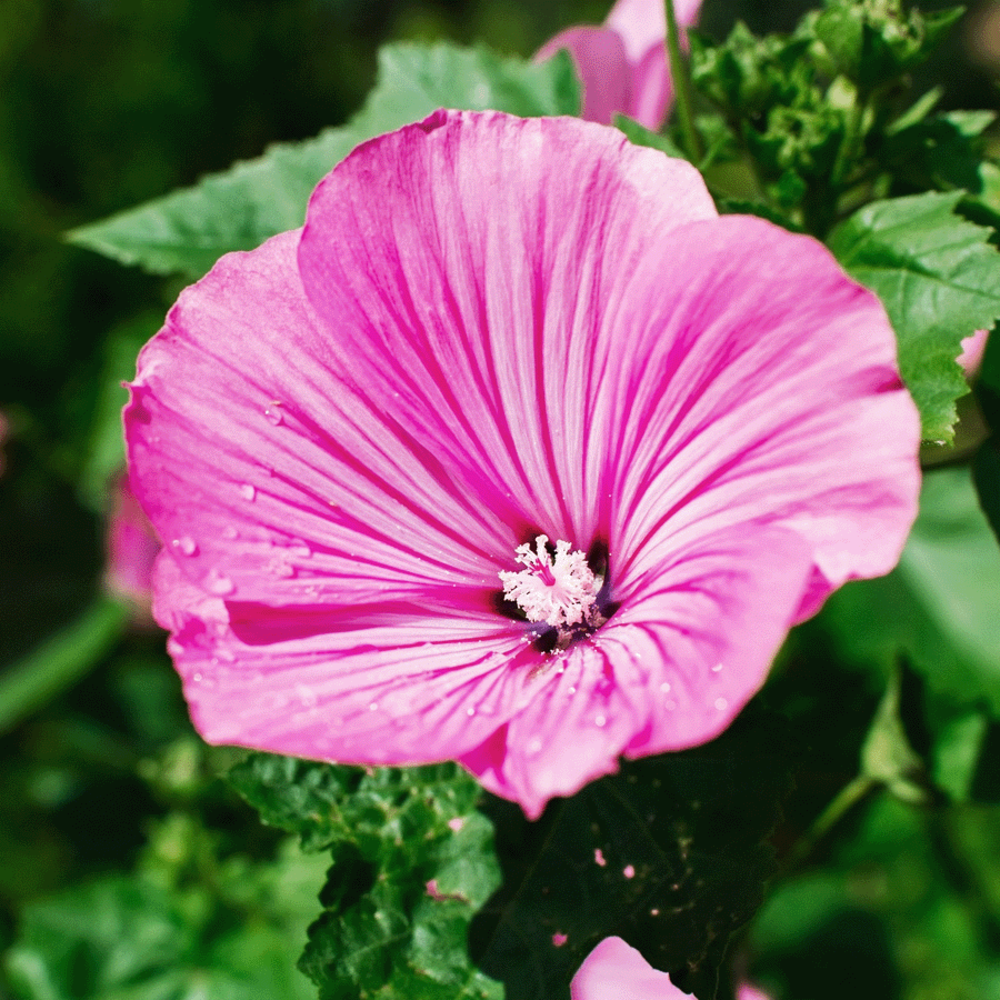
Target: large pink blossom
x: 623, y: 64
x: 615, y: 970
x: 493, y: 331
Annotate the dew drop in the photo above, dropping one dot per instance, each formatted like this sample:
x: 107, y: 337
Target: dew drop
x: 534, y: 746
x: 665, y: 687
x: 721, y: 704
x: 248, y: 492
x: 373, y: 707
x: 716, y: 668
x: 600, y: 721
x: 273, y: 414
x: 470, y: 712
x: 186, y: 545
x: 218, y: 583
x: 197, y: 678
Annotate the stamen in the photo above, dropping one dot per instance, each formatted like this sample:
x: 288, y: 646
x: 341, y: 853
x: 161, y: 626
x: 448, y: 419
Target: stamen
x: 559, y: 590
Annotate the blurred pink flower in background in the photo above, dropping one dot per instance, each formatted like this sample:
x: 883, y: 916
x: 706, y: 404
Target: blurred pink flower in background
x: 623, y: 64
x: 973, y: 349
x: 132, y: 546
x: 615, y: 970
x: 517, y: 454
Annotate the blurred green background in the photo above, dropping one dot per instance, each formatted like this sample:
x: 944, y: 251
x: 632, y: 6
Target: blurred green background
x: 104, y: 104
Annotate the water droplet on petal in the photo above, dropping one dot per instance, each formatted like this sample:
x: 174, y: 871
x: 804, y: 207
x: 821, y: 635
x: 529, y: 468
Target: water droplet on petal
x: 218, y: 583
x: 248, y: 492
x: 721, y: 704
x: 665, y: 687
x: 534, y: 746
x: 186, y: 545
x: 373, y: 707
x: 470, y: 712
x: 600, y: 721
x: 196, y: 677
x: 273, y: 414
x: 716, y: 668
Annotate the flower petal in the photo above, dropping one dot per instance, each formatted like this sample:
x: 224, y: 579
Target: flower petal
x: 604, y: 70
x: 760, y: 387
x: 669, y: 670
x: 373, y: 686
x: 270, y: 480
x: 615, y: 970
x: 467, y: 296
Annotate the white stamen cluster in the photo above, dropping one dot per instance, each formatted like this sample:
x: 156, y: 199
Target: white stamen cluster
x: 559, y: 590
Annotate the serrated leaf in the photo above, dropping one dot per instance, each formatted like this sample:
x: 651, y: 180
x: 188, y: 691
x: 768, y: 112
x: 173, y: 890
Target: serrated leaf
x: 187, y: 231
x: 670, y: 854
x: 412, y: 862
x: 939, y: 280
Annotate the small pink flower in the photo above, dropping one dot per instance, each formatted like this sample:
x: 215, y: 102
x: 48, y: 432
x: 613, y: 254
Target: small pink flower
x: 623, y: 64
x: 517, y: 455
x: 132, y: 547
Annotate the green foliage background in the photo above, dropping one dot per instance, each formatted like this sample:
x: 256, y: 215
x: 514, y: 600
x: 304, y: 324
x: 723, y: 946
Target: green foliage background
x: 128, y: 870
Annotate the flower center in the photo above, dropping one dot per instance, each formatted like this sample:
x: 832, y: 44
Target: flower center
x: 559, y: 589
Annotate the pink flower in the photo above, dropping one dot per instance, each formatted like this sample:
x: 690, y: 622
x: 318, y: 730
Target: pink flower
x: 623, y: 65
x: 132, y: 546
x: 491, y: 332
x: 615, y: 970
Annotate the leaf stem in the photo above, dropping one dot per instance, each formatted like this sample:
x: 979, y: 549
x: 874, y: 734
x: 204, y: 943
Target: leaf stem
x: 64, y: 659
x: 850, y: 796
x: 682, y: 88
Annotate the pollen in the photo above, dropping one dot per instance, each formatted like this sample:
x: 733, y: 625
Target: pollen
x: 558, y: 589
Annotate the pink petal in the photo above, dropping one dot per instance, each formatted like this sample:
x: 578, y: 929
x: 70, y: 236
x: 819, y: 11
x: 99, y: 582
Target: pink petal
x: 605, y: 72
x: 761, y: 388
x: 748, y: 992
x: 469, y: 299
x: 669, y: 670
x: 380, y: 686
x: 616, y: 971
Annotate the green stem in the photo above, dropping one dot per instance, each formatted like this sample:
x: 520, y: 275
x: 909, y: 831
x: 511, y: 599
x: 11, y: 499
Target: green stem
x: 27, y: 685
x: 851, y: 795
x: 682, y: 88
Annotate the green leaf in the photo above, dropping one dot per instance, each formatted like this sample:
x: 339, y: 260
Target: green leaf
x: 939, y: 280
x: 26, y: 685
x: 187, y: 231
x: 670, y: 854
x: 639, y: 135
x: 412, y: 862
